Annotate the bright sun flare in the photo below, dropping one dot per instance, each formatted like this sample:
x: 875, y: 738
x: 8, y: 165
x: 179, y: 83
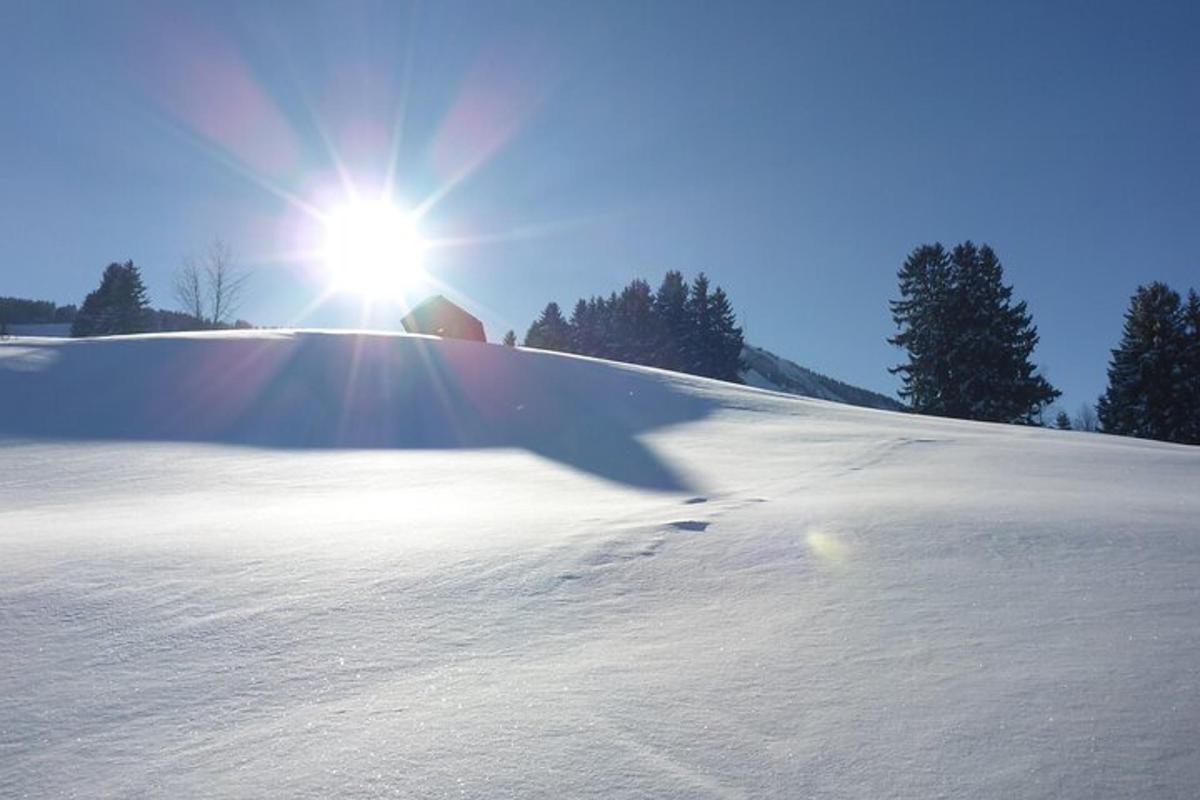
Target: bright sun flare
x: 372, y: 248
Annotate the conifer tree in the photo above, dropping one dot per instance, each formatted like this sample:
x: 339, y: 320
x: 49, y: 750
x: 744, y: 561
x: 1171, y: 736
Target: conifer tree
x: 1149, y: 392
x: 550, y: 331
x: 610, y: 334
x: 969, y: 345
x: 634, y: 322
x: 590, y: 328
x: 995, y: 341
x: 580, y: 324
x: 1062, y: 421
x: 927, y: 382
x: 725, y: 339
x: 699, y: 314
x: 670, y: 306
x: 118, y: 306
x: 1190, y: 392
x: 510, y: 339
x: 692, y: 330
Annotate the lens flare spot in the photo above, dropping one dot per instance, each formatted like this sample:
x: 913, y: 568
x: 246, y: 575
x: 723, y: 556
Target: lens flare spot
x: 828, y: 548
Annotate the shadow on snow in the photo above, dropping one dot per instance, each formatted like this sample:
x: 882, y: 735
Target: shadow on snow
x: 350, y: 391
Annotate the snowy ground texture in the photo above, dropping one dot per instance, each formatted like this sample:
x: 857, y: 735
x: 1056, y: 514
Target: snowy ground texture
x: 320, y: 565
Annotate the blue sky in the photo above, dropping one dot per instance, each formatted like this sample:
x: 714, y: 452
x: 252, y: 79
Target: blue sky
x: 794, y: 151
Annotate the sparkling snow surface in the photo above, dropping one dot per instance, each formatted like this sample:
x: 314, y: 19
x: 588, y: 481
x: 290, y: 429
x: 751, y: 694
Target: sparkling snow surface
x: 319, y: 565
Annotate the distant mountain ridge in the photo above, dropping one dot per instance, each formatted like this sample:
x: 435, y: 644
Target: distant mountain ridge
x: 765, y: 370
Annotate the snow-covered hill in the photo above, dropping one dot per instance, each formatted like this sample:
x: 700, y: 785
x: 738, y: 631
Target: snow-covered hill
x: 319, y: 565
x: 766, y: 370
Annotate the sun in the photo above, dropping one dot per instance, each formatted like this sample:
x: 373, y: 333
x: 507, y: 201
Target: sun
x: 373, y: 249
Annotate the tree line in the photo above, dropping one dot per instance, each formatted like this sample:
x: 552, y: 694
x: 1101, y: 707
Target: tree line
x: 681, y: 327
x: 969, y: 343
x: 969, y: 351
x: 20, y: 311
x: 209, y: 289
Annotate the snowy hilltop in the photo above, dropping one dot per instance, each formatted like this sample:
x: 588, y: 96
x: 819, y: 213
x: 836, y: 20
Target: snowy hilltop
x: 314, y: 564
x: 764, y: 369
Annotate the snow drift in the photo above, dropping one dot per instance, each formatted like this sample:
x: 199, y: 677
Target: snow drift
x: 313, y: 565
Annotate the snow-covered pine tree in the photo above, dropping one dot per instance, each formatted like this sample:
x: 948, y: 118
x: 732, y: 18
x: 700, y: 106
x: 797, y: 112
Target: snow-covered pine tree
x: 1147, y: 388
x: 1062, y: 421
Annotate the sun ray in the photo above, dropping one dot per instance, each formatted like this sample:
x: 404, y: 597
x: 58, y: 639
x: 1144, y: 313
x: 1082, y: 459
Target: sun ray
x: 234, y: 165
x: 438, y: 194
x: 521, y: 233
x: 316, y: 303
x: 282, y: 257
x: 397, y: 142
x: 339, y: 165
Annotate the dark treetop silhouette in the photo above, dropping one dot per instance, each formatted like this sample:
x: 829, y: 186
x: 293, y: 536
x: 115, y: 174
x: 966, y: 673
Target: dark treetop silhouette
x: 439, y: 317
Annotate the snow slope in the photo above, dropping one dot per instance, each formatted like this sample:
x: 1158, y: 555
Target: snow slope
x: 315, y: 565
x: 765, y: 370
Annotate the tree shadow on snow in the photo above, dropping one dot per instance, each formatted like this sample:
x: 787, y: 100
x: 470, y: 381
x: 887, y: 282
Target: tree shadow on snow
x: 347, y: 391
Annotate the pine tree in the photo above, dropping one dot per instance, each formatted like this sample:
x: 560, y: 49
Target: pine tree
x: 920, y: 314
x: 591, y: 328
x: 699, y: 323
x: 1190, y: 389
x: 1149, y: 393
x: 510, y: 339
x: 118, y: 306
x: 995, y: 342
x: 581, y: 329
x: 969, y: 345
x: 550, y: 331
x: 634, y: 322
x: 1062, y: 421
x: 687, y: 330
x: 671, y: 308
x: 725, y: 339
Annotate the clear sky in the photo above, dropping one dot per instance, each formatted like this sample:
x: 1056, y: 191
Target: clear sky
x: 794, y: 151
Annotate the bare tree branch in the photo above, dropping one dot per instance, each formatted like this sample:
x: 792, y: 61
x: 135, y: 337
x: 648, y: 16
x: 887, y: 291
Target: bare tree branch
x: 226, y: 283
x: 189, y: 293
x: 211, y: 287
x: 1085, y: 418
